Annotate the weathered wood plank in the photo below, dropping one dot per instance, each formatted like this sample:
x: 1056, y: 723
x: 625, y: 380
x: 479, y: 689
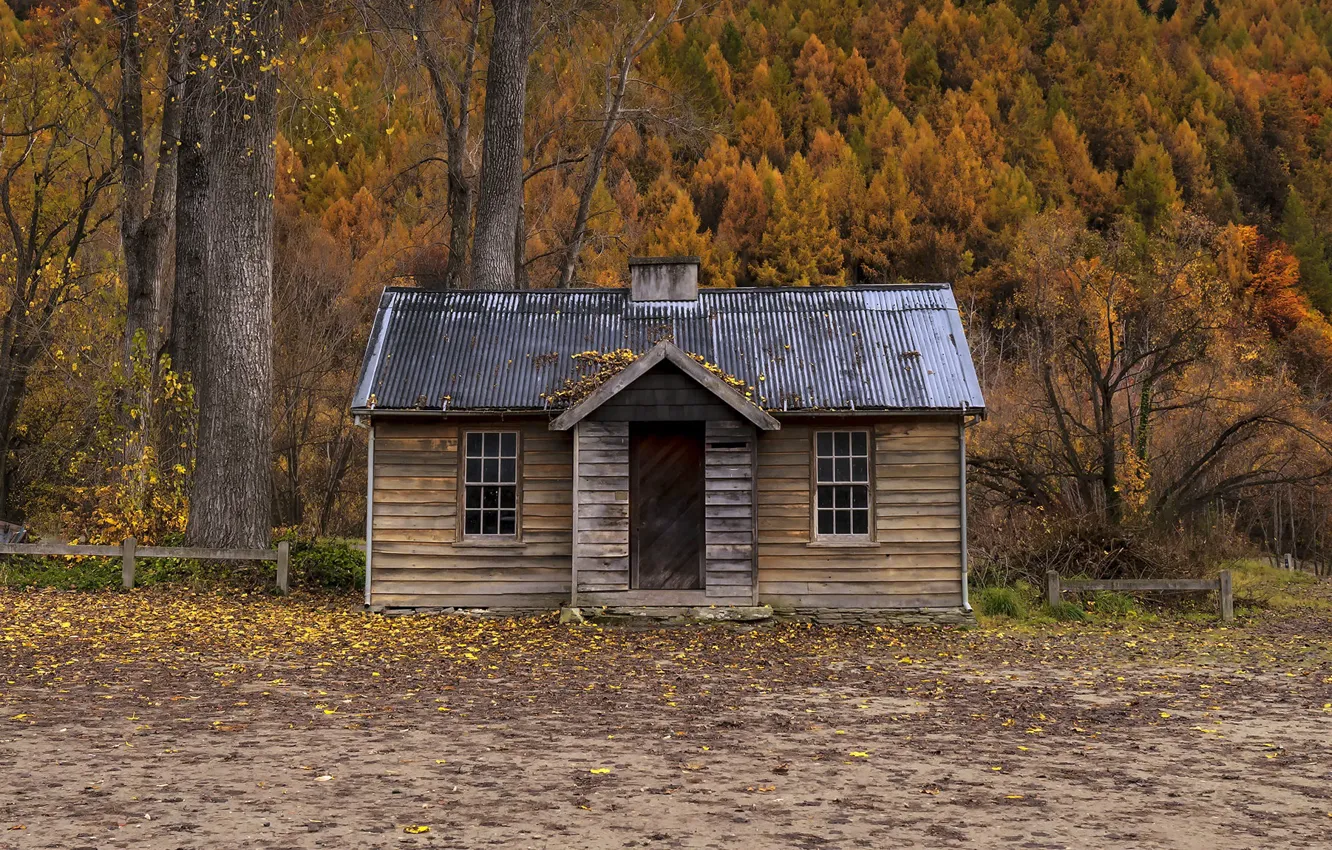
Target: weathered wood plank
x: 830, y: 600
x: 469, y: 573
x: 446, y: 599
x: 858, y: 574
x: 1144, y: 585
x: 869, y: 588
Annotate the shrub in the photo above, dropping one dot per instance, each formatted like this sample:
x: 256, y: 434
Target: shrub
x: 59, y: 573
x: 1001, y: 602
x: 327, y: 565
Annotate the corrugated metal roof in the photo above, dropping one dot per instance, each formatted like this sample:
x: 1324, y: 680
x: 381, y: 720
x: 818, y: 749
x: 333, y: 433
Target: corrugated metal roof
x: 853, y: 348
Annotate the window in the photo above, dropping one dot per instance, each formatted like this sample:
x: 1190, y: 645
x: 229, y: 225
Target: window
x: 491, y: 484
x: 842, y: 480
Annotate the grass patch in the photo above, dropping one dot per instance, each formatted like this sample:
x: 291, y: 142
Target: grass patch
x: 1258, y: 585
x: 1001, y: 602
x: 1110, y: 604
x: 1066, y: 612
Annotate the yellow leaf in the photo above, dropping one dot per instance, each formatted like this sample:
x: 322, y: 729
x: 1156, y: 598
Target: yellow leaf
x: 859, y: 755
x: 415, y: 829
x: 600, y: 770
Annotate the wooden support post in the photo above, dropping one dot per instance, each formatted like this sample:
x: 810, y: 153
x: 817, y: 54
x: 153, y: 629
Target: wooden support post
x: 1052, y: 589
x: 283, y: 566
x: 127, y: 563
x: 1227, y: 598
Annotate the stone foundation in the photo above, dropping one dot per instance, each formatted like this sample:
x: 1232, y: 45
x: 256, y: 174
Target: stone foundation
x: 483, y: 613
x: 670, y: 613
x: 895, y: 617
x: 880, y: 616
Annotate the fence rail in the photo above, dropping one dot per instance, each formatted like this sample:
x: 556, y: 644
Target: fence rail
x: 1055, y: 587
x: 129, y: 551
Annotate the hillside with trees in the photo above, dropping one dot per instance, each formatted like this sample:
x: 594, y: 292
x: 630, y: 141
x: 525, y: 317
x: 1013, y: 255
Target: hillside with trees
x: 1132, y: 199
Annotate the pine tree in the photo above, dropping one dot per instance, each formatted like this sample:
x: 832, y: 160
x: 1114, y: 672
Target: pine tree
x: 800, y: 247
x: 1149, y: 187
x: 1309, y: 248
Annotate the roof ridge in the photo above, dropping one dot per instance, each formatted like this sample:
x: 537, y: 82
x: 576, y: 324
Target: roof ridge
x: 718, y: 290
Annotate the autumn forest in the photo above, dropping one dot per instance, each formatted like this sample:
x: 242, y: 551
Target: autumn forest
x: 1133, y: 201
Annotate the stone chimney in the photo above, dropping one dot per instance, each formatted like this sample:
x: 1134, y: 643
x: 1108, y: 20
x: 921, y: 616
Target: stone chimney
x: 663, y: 278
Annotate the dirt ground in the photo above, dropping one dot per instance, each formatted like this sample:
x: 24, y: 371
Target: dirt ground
x: 154, y: 721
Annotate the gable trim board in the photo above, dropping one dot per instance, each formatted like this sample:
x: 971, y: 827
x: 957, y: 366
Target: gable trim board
x: 669, y: 352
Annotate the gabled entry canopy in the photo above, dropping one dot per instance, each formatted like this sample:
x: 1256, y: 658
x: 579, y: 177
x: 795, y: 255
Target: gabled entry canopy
x: 666, y: 351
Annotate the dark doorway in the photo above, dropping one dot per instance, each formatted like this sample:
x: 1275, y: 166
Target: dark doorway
x: 666, y: 505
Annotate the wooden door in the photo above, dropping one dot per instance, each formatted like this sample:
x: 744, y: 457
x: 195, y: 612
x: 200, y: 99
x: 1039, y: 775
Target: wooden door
x: 666, y: 506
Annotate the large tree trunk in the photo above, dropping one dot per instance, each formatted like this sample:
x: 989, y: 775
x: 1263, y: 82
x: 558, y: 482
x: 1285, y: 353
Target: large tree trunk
x: 231, y: 497
x: 146, y: 223
x: 142, y: 300
x: 191, y: 218
x: 457, y: 129
x: 501, y: 190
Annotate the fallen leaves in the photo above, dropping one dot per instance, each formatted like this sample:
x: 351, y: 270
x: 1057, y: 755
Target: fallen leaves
x: 599, y: 771
x: 416, y: 829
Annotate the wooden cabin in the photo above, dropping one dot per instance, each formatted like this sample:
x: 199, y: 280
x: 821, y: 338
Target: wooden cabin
x: 666, y: 445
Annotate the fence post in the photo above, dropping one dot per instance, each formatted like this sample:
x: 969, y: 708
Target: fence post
x: 1288, y: 561
x: 1227, y: 599
x: 283, y: 565
x: 127, y: 563
x: 1052, y: 589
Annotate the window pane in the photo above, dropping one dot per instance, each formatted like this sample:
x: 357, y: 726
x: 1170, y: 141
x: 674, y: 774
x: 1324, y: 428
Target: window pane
x: 490, y: 522
x: 842, y: 497
x: 508, y: 522
x: 509, y: 444
x: 859, y: 443
x: 842, y: 441
x: 474, y: 445
x: 508, y: 497
x: 492, y: 444
x: 473, y: 523
x: 508, y: 470
x: 490, y: 497
x: 473, y: 497
x: 843, y: 523
x: 843, y: 469
x: 474, y: 470
x: 860, y: 497
x: 491, y: 471
x: 860, y: 522
x: 825, y: 443
x: 825, y: 522
x: 859, y: 469
x: 825, y: 469
x: 825, y: 497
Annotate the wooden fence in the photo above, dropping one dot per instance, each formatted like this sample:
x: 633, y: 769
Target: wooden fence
x: 129, y: 550
x: 1055, y: 587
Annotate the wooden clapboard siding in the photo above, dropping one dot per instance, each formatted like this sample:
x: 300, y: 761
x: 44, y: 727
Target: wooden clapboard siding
x: 601, y: 551
x: 418, y: 558
x: 915, y: 557
x: 729, y: 512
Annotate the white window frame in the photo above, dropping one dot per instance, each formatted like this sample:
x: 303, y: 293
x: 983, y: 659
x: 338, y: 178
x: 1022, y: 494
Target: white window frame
x: 837, y: 479
x: 465, y: 482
